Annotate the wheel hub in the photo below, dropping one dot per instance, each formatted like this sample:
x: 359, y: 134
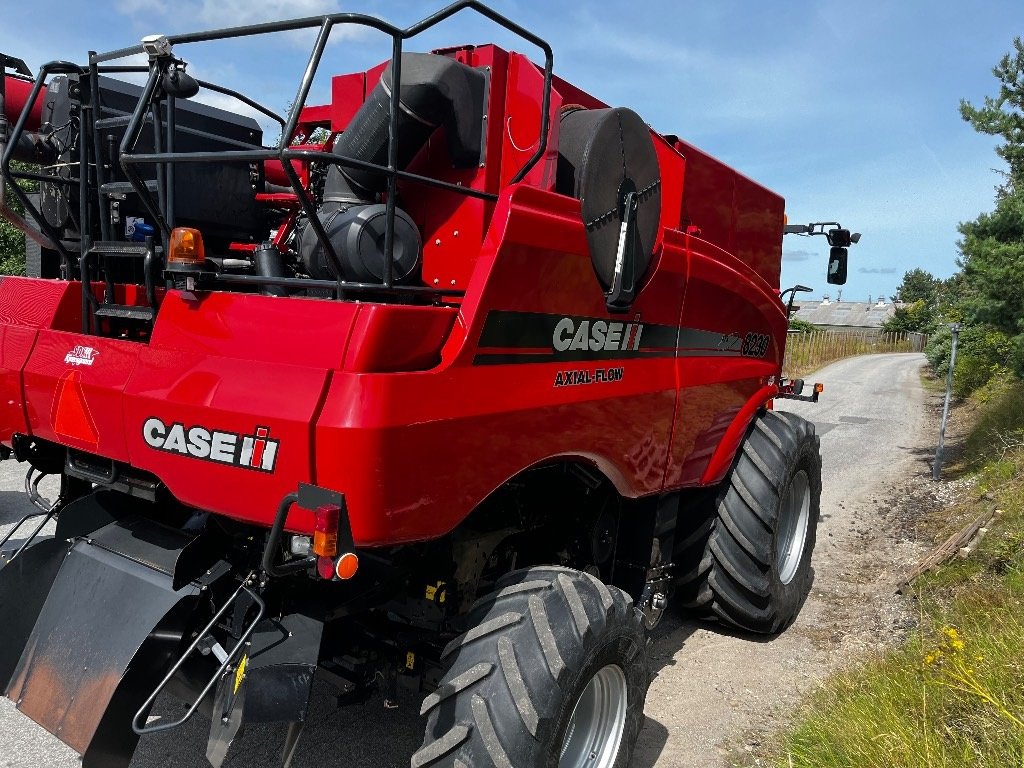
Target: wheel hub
x: 598, y: 720
x: 794, y: 518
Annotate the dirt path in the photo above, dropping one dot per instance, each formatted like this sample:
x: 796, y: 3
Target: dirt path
x: 715, y: 694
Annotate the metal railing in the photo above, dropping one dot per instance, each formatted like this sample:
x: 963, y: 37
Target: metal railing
x: 161, y: 208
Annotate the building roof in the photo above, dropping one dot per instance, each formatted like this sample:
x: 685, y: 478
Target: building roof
x: 853, y: 314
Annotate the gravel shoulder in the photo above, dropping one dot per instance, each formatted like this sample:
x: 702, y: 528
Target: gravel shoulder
x: 717, y: 695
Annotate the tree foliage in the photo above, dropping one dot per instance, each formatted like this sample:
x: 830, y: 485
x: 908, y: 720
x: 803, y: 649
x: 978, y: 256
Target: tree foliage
x: 917, y: 317
x: 796, y: 324
x: 12, y: 240
x: 987, y: 296
x: 917, y: 285
x: 1003, y: 115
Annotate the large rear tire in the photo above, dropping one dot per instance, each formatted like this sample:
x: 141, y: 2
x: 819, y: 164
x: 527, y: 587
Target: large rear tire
x: 552, y: 672
x: 747, y: 562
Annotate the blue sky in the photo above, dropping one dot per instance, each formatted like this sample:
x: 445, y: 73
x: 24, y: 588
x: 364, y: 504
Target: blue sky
x: 849, y: 110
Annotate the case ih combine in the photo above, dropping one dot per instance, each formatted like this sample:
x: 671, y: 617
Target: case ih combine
x: 451, y: 401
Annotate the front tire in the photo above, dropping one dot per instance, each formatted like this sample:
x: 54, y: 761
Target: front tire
x: 748, y: 561
x: 553, y: 672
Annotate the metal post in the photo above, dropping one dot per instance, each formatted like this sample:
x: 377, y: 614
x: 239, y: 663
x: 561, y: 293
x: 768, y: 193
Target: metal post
x: 937, y: 466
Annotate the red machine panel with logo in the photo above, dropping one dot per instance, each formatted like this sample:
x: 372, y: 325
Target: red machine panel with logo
x: 418, y: 413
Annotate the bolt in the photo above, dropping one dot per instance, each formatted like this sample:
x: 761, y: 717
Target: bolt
x: 436, y: 281
x: 456, y: 233
x: 437, y: 242
x: 453, y: 282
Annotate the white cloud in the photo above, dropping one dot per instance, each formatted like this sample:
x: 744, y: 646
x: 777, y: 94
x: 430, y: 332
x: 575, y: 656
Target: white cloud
x: 794, y: 255
x: 714, y: 86
x: 219, y: 14
x: 234, y: 13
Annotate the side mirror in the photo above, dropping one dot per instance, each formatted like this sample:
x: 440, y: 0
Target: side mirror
x: 840, y: 238
x: 837, y: 266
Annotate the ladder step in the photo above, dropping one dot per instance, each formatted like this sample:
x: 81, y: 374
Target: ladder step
x: 121, y: 121
x: 118, y: 248
x: 112, y: 188
x: 122, y: 312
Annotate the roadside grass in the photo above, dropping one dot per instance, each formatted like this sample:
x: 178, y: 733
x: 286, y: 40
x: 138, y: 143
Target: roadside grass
x: 953, y: 694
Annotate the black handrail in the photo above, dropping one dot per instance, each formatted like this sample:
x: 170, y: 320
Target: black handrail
x: 160, y: 213
x: 284, y: 154
x: 248, y: 584
x: 51, y: 67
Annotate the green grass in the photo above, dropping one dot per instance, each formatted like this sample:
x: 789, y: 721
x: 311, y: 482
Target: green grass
x: 953, y: 694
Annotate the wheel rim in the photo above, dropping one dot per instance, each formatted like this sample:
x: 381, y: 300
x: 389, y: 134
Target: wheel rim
x: 794, y: 517
x: 595, y: 729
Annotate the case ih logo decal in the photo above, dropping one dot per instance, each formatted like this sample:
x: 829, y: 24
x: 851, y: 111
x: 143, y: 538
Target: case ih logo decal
x: 596, y: 335
x: 81, y: 356
x: 256, y: 451
x: 537, y: 337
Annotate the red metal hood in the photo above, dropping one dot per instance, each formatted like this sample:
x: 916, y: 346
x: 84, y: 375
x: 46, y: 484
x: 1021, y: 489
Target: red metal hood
x: 220, y: 404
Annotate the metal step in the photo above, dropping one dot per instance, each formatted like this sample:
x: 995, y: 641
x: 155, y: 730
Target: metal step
x: 121, y: 121
x: 122, y: 312
x: 118, y: 248
x: 120, y: 188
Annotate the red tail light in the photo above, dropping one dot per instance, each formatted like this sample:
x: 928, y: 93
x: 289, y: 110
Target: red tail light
x: 325, y: 531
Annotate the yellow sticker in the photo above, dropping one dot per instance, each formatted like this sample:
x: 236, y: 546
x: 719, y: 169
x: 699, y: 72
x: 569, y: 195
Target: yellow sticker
x: 436, y: 592
x: 240, y: 672
x: 410, y: 660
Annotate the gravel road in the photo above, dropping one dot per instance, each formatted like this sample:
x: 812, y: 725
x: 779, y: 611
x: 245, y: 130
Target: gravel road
x: 715, y: 694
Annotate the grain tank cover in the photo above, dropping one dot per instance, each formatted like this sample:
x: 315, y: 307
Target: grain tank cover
x: 602, y: 155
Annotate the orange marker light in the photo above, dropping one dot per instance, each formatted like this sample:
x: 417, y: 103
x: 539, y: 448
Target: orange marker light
x: 186, y: 247
x: 346, y: 566
x: 819, y: 388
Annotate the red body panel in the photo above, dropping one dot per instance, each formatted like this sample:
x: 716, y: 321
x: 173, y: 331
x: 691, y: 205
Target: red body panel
x: 418, y: 413
x: 18, y: 91
x: 733, y: 212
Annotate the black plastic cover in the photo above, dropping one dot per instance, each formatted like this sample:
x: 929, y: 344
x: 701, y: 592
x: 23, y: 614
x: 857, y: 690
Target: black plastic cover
x: 357, y: 234
x: 601, y: 154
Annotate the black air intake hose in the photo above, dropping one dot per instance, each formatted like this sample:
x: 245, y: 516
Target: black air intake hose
x: 435, y: 91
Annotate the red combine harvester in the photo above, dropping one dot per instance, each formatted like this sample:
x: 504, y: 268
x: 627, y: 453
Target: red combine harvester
x: 448, y: 393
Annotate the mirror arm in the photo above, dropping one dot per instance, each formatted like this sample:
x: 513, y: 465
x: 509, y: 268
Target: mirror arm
x: 792, y: 297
